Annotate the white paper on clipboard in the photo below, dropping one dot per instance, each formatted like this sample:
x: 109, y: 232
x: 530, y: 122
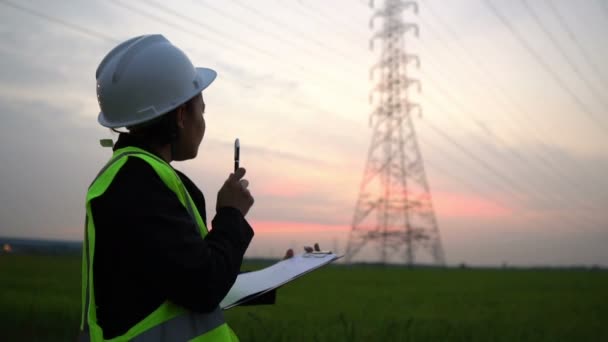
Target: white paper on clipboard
x: 252, y: 284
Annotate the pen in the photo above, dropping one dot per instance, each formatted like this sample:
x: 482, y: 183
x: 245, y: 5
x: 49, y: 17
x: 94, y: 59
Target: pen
x: 237, y: 148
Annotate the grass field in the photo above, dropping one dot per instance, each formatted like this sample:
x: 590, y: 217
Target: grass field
x: 40, y: 301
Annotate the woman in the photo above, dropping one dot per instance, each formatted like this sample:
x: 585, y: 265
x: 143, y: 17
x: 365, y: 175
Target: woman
x: 151, y: 269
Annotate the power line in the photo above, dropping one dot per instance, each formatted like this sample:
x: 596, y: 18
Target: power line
x: 511, y: 187
x: 300, y: 33
x: 564, y: 24
x: 329, y: 19
x: 452, y: 174
x: 354, y: 30
x: 259, y: 29
x: 582, y: 106
x: 297, y: 66
x: 449, y: 97
x: 193, y: 21
x: 102, y: 37
x: 542, y: 160
x: 269, y: 33
x: 483, y: 72
x: 308, y: 12
x: 470, y: 185
x: 141, y: 12
x: 487, y: 166
x: 185, y: 30
x: 210, y: 28
x: 493, y: 85
x: 79, y: 29
x: 562, y: 52
x: 537, y: 194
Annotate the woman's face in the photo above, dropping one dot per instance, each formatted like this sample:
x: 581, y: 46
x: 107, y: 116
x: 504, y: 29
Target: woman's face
x: 192, y: 129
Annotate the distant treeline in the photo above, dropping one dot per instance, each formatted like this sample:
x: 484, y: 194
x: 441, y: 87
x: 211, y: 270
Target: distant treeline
x: 59, y: 247
x: 43, y: 247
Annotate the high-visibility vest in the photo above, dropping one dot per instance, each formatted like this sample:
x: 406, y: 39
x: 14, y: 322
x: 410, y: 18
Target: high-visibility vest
x: 169, y: 322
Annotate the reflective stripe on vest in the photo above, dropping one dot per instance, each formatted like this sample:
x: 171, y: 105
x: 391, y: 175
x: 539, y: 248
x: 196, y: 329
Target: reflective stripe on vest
x: 168, y: 322
x: 184, y: 327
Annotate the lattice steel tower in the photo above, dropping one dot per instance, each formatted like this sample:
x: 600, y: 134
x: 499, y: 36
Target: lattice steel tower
x: 394, y: 210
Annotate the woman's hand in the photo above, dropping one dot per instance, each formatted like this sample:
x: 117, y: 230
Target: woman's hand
x: 234, y: 193
x: 307, y: 249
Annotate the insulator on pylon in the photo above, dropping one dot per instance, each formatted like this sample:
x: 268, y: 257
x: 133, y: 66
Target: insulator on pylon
x: 413, y: 27
x: 408, y: 58
x: 413, y: 82
x: 412, y: 4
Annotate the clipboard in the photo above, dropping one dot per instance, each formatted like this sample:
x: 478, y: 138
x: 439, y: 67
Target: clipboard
x: 253, y: 284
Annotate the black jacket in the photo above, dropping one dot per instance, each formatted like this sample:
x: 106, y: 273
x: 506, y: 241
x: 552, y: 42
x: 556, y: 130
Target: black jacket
x: 148, y: 249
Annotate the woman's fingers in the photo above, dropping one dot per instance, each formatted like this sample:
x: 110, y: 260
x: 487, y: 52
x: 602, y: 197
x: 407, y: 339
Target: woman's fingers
x: 309, y: 249
x: 288, y: 254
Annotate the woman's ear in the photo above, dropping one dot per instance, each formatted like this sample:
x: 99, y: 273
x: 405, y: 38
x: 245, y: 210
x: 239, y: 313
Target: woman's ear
x: 180, y: 116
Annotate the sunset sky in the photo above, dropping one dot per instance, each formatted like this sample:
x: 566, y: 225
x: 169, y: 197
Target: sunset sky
x: 513, y: 131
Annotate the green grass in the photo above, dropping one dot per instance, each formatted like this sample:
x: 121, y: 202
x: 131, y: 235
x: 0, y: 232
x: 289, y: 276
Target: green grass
x: 40, y: 300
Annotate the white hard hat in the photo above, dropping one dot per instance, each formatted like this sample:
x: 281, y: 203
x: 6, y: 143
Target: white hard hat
x: 144, y: 78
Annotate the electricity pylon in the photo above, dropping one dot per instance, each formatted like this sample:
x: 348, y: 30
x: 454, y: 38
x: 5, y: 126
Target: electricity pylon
x: 394, y: 210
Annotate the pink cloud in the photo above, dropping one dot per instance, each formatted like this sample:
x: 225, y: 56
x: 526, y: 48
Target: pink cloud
x: 465, y: 205
x: 296, y: 227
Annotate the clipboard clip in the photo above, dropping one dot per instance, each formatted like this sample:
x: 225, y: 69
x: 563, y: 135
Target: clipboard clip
x: 317, y: 254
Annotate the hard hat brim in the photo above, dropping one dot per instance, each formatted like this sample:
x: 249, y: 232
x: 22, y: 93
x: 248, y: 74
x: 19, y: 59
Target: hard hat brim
x: 205, y: 77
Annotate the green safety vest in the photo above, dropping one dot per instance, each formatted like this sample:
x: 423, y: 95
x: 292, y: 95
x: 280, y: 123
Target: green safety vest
x: 169, y: 322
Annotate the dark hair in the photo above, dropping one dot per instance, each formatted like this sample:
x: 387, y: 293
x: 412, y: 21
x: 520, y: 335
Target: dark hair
x: 162, y: 130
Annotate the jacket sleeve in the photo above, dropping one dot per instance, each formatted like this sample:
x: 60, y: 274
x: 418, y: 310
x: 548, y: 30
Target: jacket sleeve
x: 166, y: 245
x: 202, y: 271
